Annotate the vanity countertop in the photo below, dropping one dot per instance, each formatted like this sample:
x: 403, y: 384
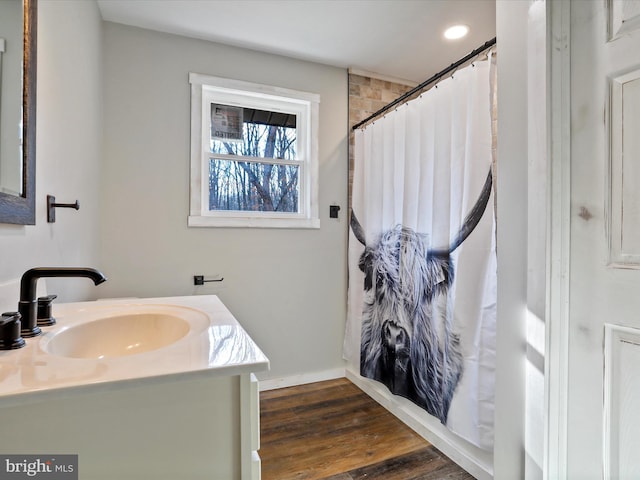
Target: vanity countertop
x: 216, y: 345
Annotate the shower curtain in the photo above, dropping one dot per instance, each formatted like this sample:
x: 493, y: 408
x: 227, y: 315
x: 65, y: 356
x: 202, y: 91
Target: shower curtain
x: 422, y: 262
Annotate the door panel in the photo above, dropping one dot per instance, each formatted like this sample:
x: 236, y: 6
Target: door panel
x: 605, y: 239
x: 621, y: 393
x: 624, y: 146
x: 623, y: 16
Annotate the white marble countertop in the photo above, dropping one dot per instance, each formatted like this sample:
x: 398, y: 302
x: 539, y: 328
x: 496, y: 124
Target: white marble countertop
x: 216, y: 345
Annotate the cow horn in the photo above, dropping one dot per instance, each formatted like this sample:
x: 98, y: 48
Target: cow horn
x: 472, y: 219
x: 357, y: 229
x: 470, y: 222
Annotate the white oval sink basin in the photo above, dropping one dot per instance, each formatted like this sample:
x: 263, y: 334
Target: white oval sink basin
x: 118, y: 335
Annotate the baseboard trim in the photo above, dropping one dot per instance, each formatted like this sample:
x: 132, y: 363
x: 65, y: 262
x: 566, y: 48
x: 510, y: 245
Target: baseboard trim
x: 461, y: 452
x: 301, y: 379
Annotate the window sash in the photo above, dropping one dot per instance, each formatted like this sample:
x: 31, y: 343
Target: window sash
x: 242, y: 158
x: 301, y: 172
x: 211, y: 97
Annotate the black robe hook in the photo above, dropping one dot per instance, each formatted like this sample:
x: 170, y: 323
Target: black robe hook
x: 52, y: 205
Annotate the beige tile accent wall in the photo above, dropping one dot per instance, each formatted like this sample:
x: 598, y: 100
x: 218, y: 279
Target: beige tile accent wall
x: 366, y: 96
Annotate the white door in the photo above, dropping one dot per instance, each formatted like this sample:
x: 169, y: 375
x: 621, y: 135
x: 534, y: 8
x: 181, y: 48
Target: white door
x: 603, y: 407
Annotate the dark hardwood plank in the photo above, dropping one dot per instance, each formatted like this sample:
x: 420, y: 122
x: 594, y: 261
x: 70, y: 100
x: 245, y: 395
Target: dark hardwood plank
x: 425, y: 464
x: 309, y: 387
x: 333, y: 431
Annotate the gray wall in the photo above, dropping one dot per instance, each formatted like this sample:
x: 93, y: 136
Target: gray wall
x: 68, y: 150
x: 286, y: 287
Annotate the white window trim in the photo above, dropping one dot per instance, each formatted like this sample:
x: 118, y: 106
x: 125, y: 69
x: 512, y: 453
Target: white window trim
x: 203, y: 87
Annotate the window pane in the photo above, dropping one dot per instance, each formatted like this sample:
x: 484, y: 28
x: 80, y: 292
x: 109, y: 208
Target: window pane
x: 249, y: 186
x: 252, y: 133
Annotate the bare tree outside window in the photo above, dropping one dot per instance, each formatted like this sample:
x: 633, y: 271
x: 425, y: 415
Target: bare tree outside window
x: 255, y: 185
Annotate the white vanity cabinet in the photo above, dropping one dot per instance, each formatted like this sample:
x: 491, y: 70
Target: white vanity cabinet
x: 188, y: 411
x: 195, y: 428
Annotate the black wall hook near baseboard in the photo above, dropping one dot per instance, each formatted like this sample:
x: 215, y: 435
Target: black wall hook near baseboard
x: 52, y: 205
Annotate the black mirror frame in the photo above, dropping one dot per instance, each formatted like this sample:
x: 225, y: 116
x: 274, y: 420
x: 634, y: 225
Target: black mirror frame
x: 21, y: 209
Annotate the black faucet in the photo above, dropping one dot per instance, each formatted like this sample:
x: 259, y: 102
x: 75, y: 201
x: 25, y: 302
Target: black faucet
x: 28, y: 303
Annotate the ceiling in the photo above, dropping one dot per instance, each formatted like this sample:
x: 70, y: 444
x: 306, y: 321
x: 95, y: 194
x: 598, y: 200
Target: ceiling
x: 400, y: 39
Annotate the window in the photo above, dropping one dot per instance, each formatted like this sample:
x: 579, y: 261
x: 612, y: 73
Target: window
x: 253, y: 155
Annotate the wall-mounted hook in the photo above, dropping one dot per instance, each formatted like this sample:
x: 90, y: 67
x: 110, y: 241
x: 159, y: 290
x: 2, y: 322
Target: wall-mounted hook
x: 52, y: 205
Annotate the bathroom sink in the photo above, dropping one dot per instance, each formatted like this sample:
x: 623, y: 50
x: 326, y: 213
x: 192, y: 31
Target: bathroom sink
x: 118, y: 335
x: 127, y: 340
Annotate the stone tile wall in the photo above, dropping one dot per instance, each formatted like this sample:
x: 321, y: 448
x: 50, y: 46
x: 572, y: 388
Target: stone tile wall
x: 366, y: 96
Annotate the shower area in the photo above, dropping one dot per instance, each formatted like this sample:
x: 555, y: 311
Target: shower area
x: 421, y: 327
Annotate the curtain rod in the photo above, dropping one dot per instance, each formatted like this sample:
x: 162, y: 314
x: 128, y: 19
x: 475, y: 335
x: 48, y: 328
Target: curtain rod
x: 437, y: 76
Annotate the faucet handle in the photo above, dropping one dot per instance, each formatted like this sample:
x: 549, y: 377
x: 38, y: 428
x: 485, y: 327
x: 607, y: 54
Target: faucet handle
x: 10, y: 338
x: 45, y: 319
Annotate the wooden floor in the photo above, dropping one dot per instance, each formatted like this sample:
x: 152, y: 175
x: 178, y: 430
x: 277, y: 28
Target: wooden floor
x: 333, y: 431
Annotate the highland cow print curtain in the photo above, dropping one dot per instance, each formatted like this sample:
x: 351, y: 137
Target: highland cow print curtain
x: 422, y: 262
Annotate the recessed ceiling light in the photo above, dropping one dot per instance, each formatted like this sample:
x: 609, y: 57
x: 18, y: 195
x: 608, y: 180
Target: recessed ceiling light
x: 456, y: 31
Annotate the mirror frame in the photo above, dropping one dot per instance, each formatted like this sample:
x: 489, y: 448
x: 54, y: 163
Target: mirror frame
x: 21, y: 209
